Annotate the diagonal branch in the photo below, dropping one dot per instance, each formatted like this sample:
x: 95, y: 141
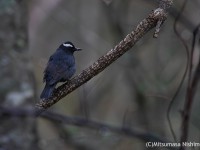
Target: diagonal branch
x: 155, y: 18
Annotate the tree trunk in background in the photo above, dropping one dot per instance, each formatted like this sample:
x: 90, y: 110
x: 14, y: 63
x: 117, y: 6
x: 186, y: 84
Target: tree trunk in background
x: 16, y: 79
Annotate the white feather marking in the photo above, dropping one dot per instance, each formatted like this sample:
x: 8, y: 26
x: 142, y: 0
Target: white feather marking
x: 67, y: 45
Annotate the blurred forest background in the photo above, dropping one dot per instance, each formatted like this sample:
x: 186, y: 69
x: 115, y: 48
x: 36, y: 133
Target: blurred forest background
x: 134, y: 92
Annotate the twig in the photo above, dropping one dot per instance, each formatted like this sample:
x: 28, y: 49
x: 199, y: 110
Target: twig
x: 174, y: 12
x: 193, y: 82
x: 144, y: 26
x: 185, y: 71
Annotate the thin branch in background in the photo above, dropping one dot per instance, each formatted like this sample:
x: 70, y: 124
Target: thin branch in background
x: 124, y: 120
x: 113, y: 18
x: 185, y: 72
x: 103, y: 62
x: 81, y: 122
x: 67, y: 138
x: 192, y: 86
x: 84, y: 103
x: 163, y: 97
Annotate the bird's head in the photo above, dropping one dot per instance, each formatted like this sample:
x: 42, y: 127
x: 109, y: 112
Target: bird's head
x: 69, y: 46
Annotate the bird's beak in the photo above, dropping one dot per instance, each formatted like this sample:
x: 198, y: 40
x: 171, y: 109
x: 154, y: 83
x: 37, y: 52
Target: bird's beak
x: 78, y: 49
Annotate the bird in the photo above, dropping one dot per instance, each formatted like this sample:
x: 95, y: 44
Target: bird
x: 60, y: 68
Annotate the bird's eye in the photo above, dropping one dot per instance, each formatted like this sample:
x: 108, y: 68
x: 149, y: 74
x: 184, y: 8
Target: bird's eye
x: 67, y: 45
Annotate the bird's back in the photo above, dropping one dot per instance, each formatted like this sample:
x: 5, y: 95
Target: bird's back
x: 61, y: 67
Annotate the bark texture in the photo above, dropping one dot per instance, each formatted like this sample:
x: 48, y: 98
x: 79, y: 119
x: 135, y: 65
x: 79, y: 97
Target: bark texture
x: 155, y: 19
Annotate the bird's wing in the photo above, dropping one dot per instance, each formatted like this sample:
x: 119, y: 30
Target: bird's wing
x: 54, y: 71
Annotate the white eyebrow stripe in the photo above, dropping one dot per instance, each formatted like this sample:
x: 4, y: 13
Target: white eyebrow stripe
x: 67, y: 45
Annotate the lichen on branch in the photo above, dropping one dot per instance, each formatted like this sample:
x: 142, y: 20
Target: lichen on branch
x: 154, y: 19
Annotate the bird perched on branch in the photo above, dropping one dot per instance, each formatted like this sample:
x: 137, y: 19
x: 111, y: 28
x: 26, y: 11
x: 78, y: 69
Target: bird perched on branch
x: 60, y: 68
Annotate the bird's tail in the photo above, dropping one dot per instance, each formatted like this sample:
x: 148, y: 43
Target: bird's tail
x: 47, y: 92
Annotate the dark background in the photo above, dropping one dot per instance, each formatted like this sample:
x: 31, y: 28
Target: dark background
x: 134, y: 91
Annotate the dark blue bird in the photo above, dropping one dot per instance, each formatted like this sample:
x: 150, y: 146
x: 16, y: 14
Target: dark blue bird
x: 60, y: 68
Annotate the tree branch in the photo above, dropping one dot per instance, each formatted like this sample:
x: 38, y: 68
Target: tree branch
x: 81, y: 122
x: 192, y: 87
x: 155, y: 18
